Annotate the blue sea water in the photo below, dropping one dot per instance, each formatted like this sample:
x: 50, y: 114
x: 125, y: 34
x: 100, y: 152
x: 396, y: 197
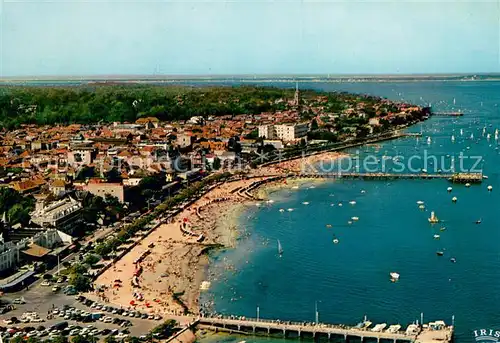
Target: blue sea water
x: 351, y: 279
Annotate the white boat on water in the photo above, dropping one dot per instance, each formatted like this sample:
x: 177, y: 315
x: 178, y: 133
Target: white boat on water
x: 449, y: 189
x: 355, y: 218
x: 290, y: 210
x: 335, y: 240
x: 454, y: 199
x: 490, y: 188
x: 280, y: 248
x: 422, y: 207
x: 471, y: 136
x: 429, y: 140
x: 452, y: 138
x: 420, y: 202
x: 433, y: 218
x: 282, y: 210
x: 461, y: 132
x: 437, y: 236
x: 305, y: 203
x: 352, y: 202
x: 394, y: 276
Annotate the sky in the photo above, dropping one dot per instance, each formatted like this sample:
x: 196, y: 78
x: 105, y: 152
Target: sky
x: 156, y: 37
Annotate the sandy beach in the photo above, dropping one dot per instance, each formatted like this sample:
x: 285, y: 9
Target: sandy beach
x: 167, y: 281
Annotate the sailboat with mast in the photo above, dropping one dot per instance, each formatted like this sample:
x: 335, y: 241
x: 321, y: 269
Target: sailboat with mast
x: 433, y: 218
x: 280, y: 248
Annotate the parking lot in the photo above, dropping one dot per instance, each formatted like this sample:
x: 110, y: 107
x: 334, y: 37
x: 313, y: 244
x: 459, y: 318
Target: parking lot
x: 43, y: 310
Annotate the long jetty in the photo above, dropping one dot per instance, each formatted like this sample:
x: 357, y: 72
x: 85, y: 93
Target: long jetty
x: 436, y: 331
x: 455, y: 178
x: 448, y: 114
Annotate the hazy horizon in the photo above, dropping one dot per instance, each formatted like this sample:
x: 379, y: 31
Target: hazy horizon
x: 47, y: 39
x: 132, y: 77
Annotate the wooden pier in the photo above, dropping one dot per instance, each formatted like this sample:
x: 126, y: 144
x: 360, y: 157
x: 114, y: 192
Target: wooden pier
x: 448, y: 114
x: 455, y: 178
x: 431, y: 332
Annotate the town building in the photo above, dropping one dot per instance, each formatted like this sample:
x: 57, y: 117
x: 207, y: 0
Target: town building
x: 63, y: 214
x: 16, y: 246
x: 81, y: 156
x: 285, y: 132
x: 101, y: 188
x: 267, y: 131
x: 183, y: 140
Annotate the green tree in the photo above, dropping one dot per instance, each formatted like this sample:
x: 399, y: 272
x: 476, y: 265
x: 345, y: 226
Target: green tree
x: 79, y: 339
x: 59, y: 339
x: 80, y: 282
x: 165, y: 329
x: 91, y: 259
x: 314, y: 125
x: 216, y: 164
x: 110, y: 339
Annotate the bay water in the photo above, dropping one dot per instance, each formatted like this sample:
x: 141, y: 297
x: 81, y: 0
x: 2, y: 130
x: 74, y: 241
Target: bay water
x: 349, y: 280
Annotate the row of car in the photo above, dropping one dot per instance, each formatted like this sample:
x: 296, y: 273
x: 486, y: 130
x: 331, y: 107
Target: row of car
x: 72, y: 313
x: 100, y: 307
x: 61, y: 329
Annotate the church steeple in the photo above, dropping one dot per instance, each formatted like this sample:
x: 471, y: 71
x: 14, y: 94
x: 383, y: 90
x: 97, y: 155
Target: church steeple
x: 296, y: 99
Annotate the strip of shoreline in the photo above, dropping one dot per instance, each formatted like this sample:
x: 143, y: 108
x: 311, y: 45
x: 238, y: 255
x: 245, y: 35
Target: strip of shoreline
x: 168, y: 280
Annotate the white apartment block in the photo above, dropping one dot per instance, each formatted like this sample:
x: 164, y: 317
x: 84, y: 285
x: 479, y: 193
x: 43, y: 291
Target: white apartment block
x: 62, y: 214
x: 285, y: 132
x: 10, y: 251
x: 267, y: 131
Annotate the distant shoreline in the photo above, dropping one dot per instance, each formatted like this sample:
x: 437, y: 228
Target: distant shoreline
x: 252, y: 78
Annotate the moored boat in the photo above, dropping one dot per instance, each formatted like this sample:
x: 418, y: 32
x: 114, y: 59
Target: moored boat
x: 433, y: 218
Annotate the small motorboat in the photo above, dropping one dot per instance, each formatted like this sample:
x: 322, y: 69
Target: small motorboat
x: 335, y: 240
x: 305, y: 203
x: 442, y: 229
x: 454, y: 199
x: 467, y: 184
x: 490, y: 188
x: 290, y: 210
x: 355, y: 218
x: 453, y: 260
x: 449, y: 189
x: 440, y: 253
x: 352, y: 202
x: 422, y: 207
x: 394, y: 276
x: 437, y: 236
x: 282, y: 210
x: 479, y: 221
x: 328, y: 225
x: 420, y: 202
